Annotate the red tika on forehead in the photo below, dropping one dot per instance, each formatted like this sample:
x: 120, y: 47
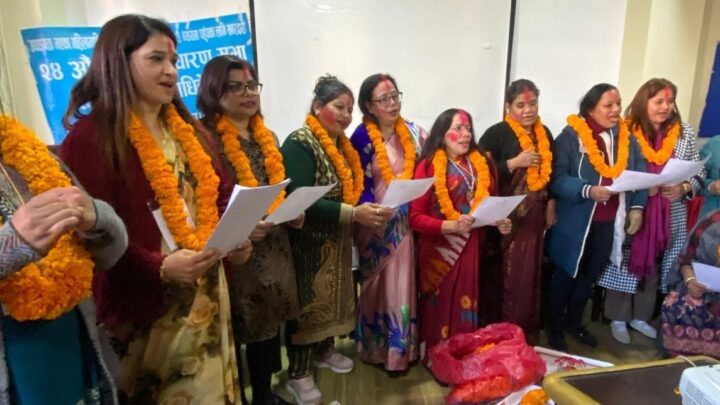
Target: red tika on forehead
x: 170, y: 45
x: 668, y: 92
x: 246, y: 75
x: 464, y: 119
x: 527, y: 93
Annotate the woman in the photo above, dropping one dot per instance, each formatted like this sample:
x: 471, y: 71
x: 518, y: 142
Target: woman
x: 711, y: 193
x: 52, y: 236
x: 166, y: 307
x: 691, y: 313
x: 521, y: 146
x: 449, y: 247
x: 654, y: 121
x: 317, y: 154
x: 591, y: 151
x: 263, y: 294
x: 386, y: 329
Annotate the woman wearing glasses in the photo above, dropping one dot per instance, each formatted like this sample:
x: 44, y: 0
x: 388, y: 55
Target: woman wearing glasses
x: 386, y: 330
x: 262, y: 290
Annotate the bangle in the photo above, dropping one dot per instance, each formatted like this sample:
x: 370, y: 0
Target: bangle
x: 162, y: 270
x: 687, y: 280
x: 687, y: 188
x: 352, y: 216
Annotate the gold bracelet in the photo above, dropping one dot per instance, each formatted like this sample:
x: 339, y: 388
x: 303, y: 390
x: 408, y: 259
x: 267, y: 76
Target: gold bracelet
x: 687, y: 280
x: 352, y: 216
x: 162, y: 269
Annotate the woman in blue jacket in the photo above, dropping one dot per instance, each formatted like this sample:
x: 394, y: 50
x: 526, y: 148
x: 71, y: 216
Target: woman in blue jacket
x: 590, y: 152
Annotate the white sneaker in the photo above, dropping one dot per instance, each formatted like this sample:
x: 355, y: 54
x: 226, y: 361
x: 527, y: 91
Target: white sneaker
x: 336, y: 362
x: 304, y: 391
x: 644, y: 328
x: 620, y: 332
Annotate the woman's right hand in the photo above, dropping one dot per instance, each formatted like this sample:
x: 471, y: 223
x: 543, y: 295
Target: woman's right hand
x: 525, y: 158
x: 372, y: 214
x: 696, y: 289
x: 461, y: 225
x: 44, y: 218
x: 600, y: 194
x: 260, y: 231
x: 187, y: 266
x: 714, y: 187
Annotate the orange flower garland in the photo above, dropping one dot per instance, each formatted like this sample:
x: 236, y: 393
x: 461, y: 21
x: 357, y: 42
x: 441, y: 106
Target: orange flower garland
x: 273, y: 159
x: 352, y: 178
x: 661, y: 156
x: 164, y: 182
x: 535, y: 397
x: 596, y: 159
x: 441, y: 191
x: 537, y: 176
x: 381, y: 152
x: 55, y: 284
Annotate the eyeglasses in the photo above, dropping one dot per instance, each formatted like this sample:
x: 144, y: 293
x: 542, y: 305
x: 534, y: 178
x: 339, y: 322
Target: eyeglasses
x: 242, y: 88
x: 388, y: 99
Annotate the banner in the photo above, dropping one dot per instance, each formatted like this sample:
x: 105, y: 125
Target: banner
x: 60, y: 56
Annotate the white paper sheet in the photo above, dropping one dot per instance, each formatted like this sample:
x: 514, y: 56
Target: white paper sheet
x: 297, y: 202
x: 707, y: 275
x: 165, y: 231
x: 404, y: 191
x: 675, y: 171
x: 247, y: 206
x: 492, y: 209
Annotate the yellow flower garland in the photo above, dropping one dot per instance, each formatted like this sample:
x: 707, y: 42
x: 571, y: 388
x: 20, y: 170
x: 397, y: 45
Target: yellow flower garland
x: 596, y: 159
x: 352, y: 178
x: 537, y: 176
x: 164, y: 182
x: 381, y: 152
x: 661, y: 156
x: 441, y: 191
x: 55, y: 284
x: 236, y: 155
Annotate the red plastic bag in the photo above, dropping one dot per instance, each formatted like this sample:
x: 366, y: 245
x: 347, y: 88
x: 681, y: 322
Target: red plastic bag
x: 487, y: 364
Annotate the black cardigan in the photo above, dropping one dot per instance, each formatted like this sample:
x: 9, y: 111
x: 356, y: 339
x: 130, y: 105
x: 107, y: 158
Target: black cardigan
x: 501, y: 142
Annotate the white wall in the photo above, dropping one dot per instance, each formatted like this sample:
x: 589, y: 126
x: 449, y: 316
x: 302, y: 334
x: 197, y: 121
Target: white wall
x: 566, y: 47
x: 443, y: 54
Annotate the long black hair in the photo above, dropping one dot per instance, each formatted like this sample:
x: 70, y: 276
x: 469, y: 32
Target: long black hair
x: 436, y: 138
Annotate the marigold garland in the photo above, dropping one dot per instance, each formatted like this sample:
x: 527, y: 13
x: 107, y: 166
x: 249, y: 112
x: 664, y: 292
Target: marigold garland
x: 381, y: 152
x: 477, y: 160
x: 351, y: 178
x: 596, y: 158
x: 535, y: 397
x: 537, y: 176
x: 238, y: 158
x: 164, y: 182
x: 55, y: 284
x: 662, y: 155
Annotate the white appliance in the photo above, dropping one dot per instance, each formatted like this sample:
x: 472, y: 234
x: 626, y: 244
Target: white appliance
x: 700, y: 385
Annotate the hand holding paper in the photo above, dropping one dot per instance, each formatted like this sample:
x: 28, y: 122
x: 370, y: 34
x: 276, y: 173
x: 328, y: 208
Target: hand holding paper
x: 247, y: 206
x: 675, y: 171
x: 707, y: 275
x: 492, y: 209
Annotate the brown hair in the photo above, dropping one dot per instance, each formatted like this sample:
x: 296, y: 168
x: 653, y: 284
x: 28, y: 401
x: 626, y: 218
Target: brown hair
x: 213, y: 85
x: 108, y: 87
x: 637, y: 110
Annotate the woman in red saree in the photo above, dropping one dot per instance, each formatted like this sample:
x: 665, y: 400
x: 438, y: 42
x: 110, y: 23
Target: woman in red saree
x: 448, y: 246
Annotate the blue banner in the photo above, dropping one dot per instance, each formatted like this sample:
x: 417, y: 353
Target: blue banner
x: 710, y: 121
x: 59, y: 56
